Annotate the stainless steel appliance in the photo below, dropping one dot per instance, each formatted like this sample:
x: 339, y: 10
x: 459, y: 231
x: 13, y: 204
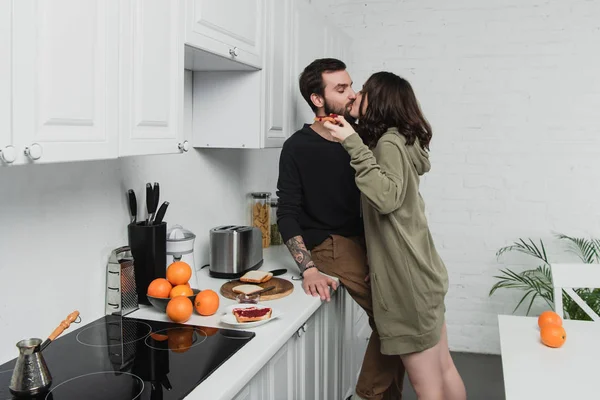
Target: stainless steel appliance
x: 234, y: 250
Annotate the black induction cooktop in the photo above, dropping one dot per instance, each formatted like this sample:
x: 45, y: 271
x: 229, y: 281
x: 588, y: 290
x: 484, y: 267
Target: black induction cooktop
x: 125, y: 358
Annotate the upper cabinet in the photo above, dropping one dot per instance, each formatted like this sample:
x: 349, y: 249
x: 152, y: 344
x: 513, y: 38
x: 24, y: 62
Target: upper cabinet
x: 309, y: 44
x: 65, y: 88
x: 248, y: 109
x: 229, y: 28
x: 94, y: 79
x: 101, y: 79
x: 278, y: 81
x: 8, y: 153
x: 151, y: 77
x: 237, y: 108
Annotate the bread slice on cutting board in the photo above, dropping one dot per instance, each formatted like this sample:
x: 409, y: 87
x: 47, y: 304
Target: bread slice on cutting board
x: 256, y: 276
x: 246, y: 289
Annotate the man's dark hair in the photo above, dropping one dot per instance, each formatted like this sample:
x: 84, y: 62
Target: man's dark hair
x: 311, y: 79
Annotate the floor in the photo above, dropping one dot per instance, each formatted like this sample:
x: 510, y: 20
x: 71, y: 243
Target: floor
x: 481, y: 373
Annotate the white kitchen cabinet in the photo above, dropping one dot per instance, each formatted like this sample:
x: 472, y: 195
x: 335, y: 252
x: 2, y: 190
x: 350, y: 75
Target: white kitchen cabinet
x: 280, y: 374
x: 152, y: 76
x: 321, y: 361
x: 309, y: 44
x: 308, y: 360
x: 8, y: 153
x: 330, y: 351
x: 278, y: 82
x: 229, y: 28
x: 65, y: 89
x: 248, y: 109
x: 255, y: 389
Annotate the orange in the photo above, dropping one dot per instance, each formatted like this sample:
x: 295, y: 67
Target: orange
x: 181, y: 339
x: 179, y: 273
x: 180, y: 309
x: 549, y: 318
x: 158, y: 337
x: 160, y: 287
x: 553, y: 335
x: 181, y: 290
x: 207, y: 302
x: 208, y: 331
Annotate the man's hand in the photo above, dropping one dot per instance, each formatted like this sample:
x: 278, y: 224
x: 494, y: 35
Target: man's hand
x: 317, y: 284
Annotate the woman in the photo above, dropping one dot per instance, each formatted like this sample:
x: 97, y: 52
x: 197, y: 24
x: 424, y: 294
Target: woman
x: 408, y: 277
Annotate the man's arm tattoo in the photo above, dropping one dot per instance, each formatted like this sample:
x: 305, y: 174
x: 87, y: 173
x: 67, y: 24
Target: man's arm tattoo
x: 299, y: 252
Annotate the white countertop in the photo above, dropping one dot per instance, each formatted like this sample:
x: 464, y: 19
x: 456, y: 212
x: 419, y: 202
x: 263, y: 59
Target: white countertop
x: 533, y: 371
x: 236, y: 372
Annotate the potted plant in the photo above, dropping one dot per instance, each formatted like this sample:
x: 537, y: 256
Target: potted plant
x: 537, y: 282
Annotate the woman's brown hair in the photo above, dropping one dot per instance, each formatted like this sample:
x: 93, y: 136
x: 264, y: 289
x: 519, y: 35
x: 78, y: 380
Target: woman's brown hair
x: 391, y: 104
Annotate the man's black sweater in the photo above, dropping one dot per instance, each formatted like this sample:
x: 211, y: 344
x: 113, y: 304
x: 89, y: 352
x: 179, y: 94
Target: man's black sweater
x: 317, y: 193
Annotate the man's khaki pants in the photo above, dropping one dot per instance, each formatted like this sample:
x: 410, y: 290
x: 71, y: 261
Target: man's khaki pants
x: 381, y: 376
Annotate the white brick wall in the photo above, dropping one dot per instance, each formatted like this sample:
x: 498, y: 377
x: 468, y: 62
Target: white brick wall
x: 512, y: 90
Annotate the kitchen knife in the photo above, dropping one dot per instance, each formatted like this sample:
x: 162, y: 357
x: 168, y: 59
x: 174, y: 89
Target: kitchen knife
x: 264, y: 290
x: 156, y: 191
x: 150, y: 207
x: 132, y: 205
x: 160, y: 214
x: 277, y: 272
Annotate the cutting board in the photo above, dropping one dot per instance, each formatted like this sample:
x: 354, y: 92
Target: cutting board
x: 283, y: 288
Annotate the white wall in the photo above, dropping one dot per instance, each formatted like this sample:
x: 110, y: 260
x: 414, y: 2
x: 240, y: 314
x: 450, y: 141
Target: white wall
x: 59, y: 223
x: 512, y: 91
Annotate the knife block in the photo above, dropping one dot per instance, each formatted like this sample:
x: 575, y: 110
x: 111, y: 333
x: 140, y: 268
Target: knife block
x: 149, y: 249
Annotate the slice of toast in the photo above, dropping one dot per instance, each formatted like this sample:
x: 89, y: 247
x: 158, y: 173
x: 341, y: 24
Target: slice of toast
x: 246, y: 289
x: 256, y: 276
x: 252, y: 314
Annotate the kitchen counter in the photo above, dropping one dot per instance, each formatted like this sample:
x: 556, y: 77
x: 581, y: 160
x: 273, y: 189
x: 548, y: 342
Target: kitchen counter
x: 236, y: 372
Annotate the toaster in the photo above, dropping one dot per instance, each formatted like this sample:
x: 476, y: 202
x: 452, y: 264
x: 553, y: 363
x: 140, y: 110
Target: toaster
x: 234, y: 250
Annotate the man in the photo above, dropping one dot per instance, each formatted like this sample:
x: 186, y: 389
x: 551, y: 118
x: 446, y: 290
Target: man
x: 319, y: 216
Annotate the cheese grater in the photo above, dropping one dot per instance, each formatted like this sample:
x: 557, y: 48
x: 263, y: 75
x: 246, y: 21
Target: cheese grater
x: 121, y: 338
x: 121, y: 293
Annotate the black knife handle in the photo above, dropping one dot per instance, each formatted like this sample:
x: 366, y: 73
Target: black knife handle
x: 132, y: 205
x: 156, y: 191
x: 149, y: 201
x: 160, y: 214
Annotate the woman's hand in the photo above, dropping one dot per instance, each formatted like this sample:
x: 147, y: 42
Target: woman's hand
x: 341, y: 131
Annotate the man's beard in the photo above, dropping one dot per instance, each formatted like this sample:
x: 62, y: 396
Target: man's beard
x: 344, y: 111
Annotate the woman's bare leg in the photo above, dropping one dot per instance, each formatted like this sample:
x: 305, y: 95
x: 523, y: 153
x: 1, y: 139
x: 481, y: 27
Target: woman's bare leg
x: 454, y: 388
x: 425, y: 373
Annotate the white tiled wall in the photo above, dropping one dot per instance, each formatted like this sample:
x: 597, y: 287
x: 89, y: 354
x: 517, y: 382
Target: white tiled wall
x: 512, y: 91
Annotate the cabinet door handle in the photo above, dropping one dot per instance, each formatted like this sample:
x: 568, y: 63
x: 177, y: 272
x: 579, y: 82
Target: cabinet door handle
x: 184, y: 146
x: 8, y: 154
x: 34, y: 152
x: 234, y: 52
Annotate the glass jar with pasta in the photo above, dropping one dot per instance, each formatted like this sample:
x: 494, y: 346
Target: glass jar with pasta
x: 260, y: 214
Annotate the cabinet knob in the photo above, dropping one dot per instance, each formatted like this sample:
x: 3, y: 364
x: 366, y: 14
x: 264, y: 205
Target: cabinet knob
x: 185, y: 146
x: 234, y: 52
x: 8, y: 154
x: 34, y: 151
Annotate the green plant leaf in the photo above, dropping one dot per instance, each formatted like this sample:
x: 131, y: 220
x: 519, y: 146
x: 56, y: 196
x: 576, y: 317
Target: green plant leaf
x: 527, y: 248
x: 587, y: 250
x: 537, y: 283
x: 533, y: 282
